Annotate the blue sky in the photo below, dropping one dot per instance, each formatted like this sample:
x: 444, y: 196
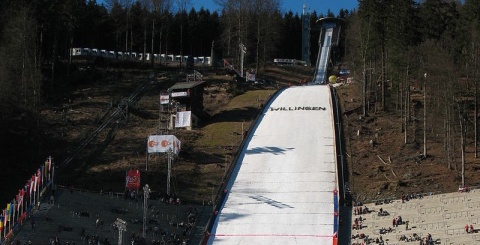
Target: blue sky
x: 320, y: 6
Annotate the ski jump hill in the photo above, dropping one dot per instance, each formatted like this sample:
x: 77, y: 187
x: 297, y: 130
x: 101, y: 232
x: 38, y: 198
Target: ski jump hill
x: 284, y: 187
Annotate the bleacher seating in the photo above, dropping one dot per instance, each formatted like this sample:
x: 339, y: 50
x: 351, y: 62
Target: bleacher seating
x: 444, y: 216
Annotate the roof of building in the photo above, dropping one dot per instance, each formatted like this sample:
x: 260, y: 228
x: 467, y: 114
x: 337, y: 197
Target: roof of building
x: 185, y: 85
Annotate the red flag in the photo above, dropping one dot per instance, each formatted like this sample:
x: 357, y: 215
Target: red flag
x: 1, y: 221
x: 19, y: 199
x: 39, y: 175
x: 27, y: 187
x: 6, y: 213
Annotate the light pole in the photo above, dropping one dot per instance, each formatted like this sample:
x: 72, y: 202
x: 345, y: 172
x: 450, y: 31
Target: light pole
x: 146, y: 195
x: 169, y: 155
x: 122, y: 226
x: 425, y: 116
x: 243, y: 51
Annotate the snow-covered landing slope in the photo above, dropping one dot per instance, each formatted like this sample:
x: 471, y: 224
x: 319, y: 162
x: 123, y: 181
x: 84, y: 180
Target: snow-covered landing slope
x: 282, y: 188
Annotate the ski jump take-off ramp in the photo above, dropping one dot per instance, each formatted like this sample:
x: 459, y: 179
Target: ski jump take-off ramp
x: 283, y: 188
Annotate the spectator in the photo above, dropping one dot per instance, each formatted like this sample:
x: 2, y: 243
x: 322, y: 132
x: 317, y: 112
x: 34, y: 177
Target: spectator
x: 32, y: 221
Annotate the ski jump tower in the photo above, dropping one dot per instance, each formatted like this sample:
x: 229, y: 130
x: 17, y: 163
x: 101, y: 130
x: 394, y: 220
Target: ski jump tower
x: 306, y: 36
x: 329, y: 37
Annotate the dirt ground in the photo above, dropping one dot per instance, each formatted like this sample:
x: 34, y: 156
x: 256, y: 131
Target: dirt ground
x: 379, y: 164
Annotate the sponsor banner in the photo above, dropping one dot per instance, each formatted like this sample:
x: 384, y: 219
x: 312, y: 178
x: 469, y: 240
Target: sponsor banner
x: 164, y: 99
x: 179, y: 94
x: 133, y: 180
x: 298, y: 108
x: 163, y: 143
x: 183, y: 119
x: 250, y: 76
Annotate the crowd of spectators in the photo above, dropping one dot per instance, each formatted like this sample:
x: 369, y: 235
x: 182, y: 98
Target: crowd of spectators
x: 177, y: 231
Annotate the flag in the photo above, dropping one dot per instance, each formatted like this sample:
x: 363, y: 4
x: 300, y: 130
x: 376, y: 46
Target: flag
x: 19, y: 200
x: 7, y: 213
x: 49, y: 164
x: 42, y: 174
x: 26, y: 189
x: 45, y: 168
x: 35, y: 184
x: 24, y: 192
x: 12, y: 207
x: 164, y: 99
x: 3, y: 221
x: 12, y: 210
x: 39, y: 175
x: 32, y: 184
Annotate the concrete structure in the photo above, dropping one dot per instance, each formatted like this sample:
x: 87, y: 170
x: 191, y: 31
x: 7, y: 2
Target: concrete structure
x: 330, y: 31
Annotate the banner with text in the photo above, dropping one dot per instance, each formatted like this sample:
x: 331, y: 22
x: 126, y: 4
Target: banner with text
x: 133, y: 180
x: 163, y: 143
x: 183, y: 119
x: 164, y: 99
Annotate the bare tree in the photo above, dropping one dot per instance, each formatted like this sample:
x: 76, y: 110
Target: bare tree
x: 147, y: 8
x: 127, y: 5
x: 20, y: 78
x: 182, y: 8
x: 264, y: 15
x: 238, y: 15
x: 160, y: 8
x: 365, y: 40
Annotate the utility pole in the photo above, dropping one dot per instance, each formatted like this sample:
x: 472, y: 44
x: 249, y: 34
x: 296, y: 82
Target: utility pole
x: 305, y: 36
x: 169, y: 155
x: 146, y: 195
x: 425, y: 116
x: 243, y: 51
x: 212, y: 59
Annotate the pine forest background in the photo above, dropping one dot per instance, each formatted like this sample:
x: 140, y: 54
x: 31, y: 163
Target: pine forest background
x: 391, y: 47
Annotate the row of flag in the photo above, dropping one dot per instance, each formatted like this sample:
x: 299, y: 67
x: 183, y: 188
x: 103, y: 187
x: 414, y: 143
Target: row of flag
x: 16, y: 210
